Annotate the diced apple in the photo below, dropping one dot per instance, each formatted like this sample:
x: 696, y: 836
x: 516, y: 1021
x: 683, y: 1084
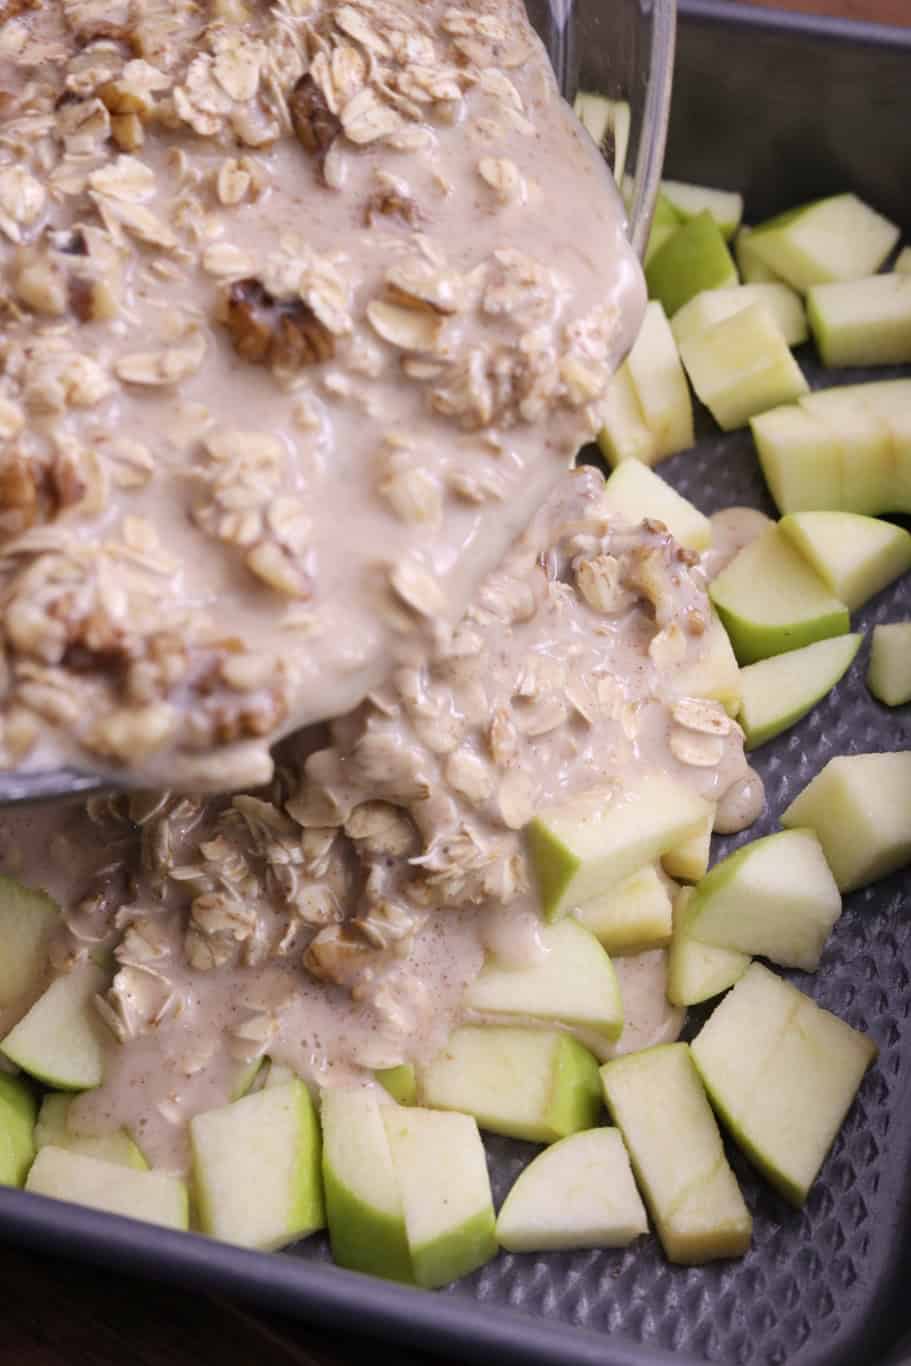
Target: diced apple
x: 889, y: 674
x: 770, y: 600
x: 256, y: 1168
x: 61, y: 1039
x: 693, y: 259
x: 634, y: 492
x: 154, y: 1196
x: 659, y: 233
x: 656, y: 1100
x: 586, y: 845
x: 400, y: 1082
x: 839, y: 238
x: 442, y: 1174
x: 862, y: 322
x: 660, y: 384
x: 753, y: 270
x: 697, y: 972
x: 903, y: 261
x: 52, y: 1128
x: 631, y: 917
x: 689, y: 861
x: 860, y: 808
x: 608, y: 122
x: 782, y: 303
x: 573, y: 983
x: 27, y: 918
x: 742, y: 366
x: 777, y: 692
x: 856, y: 557
x: 364, y: 1207
x: 800, y: 458
x: 688, y: 201
x: 536, y: 1084
x: 715, y: 674
x: 578, y: 1193
x: 782, y: 1074
x: 625, y: 436
x: 18, y: 1109
x: 775, y: 897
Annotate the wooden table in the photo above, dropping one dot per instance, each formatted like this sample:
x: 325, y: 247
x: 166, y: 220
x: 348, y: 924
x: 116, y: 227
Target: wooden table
x: 61, y: 1314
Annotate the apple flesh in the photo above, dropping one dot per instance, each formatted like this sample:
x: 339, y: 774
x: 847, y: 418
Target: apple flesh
x: 689, y: 861
x: 697, y: 972
x: 535, y: 1084
x: 52, y: 1129
x: 677, y: 1154
x: 855, y: 556
x: 903, y: 261
x: 695, y: 258
x: 889, y: 674
x: 862, y: 322
x: 660, y: 385
x: 441, y: 1168
x: 634, y: 492
x: 625, y: 436
x: 633, y: 916
x: 742, y: 366
x: 61, y: 1039
x: 579, y: 1193
x: 753, y: 270
x: 27, y: 918
x: 688, y: 201
x: 775, y: 897
x: 713, y: 306
x: 770, y: 600
x: 777, y: 692
x: 400, y: 1082
x: 608, y: 123
x: 364, y: 1207
x: 839, y: 238
x: 715, y: 673
x: 256, y: 1168
x: 18, y: 1109
x: 860, y: 808
x: 572, y: 983
x: 586, y: 845
x: 665, y: 222
x: 154, y: 1196
x: 782, y: 1074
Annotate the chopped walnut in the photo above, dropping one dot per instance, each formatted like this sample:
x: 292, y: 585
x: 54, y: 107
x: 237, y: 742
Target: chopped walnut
x: 315, y: 125
x: 285, y: 334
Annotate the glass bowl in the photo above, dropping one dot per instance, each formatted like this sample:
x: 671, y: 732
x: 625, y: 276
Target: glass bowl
x: 623, y: 49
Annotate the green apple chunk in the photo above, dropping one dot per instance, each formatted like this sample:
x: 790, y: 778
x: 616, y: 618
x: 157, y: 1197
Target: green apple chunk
x: 753, y: 270
x: 572, y: 983
x: 364, y: 1207
x: 801, y: 460
x: 256, y: 1168
x: 400, y: 1082
x: 657, y: 376
x: 665, y: 222
x: 633, y: 916
x: 154, y: 1196
x: 578, y: 1193
x: 536, y: 1084
x: 770, y: 600
x: 716, y: 673
x: 608, y: 123
x: 860, y: 808
x: 713, y: 306
x: 777, y: 692
x: 839, y: 238
x: 688, y: 201
x: 742, y: 366
x: 625, y: 436
x: 61, y: 1039
x: 854, y: 556
x: 689, y: 861
x: 27, y: 918
x: 889, y: 674
x: 782, y: 1074
x: 677, y: 1154
x: 697, y: 972
x: 862, y: 322
x: 441, y: 1168
x: 903, y: 261
x: 586, y: 845
x: 52, y: 1129
x: 634, y: 492
x: 18, y: 1109
x: 693, y: 259
x: 775, y: 897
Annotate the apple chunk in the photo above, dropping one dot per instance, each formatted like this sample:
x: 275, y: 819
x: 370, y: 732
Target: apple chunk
x: 657, y: 376
x: 442, y: 1174
x: 578, y: 1193
x: 777, y: 692
x: 17, y: 1129
x: 399, y: 1081
x: 855, y: 556
x: 782, y: 1074
x: 633, y: 916
x: 634, y: 492
x: 903, y: 261
x: 770, y: 600
x: 256, y: 1168
x: 775, y: 897
x: 860, y: 808
x: 536, y: 1084
x: 53, y: 1129
x: 677, y: 1154
x: 862, y: 322
x: 156, y: 1197
x: 713, y: 306
x: 27, y: 918
x: 573, y: 983
x: 889, y: 674
x: 693, y: 259
x: 689, y: 861
x: 61, y: 1039
x: 688, y: 201
x: 588, y: 844
x: 753, y: 270
x: 697, y: 972
x: 839, y: 238
x: 625, y: 436
x: 742, y: 366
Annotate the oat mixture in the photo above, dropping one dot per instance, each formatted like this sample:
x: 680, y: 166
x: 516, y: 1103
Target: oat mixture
x: 306, y: 306
x: 332, y: 921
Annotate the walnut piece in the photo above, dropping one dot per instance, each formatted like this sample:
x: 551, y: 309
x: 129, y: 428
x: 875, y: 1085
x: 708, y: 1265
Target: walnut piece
x: 283, y: 333
x: 314, y: 123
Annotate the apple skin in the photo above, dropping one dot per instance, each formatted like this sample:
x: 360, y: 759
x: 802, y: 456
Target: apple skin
x: 154, y: 1196
x: 694, y: 259
x: 51, y: 1128
x: 839, y: 238
x: 18, y: 1111
x: 400, y: 1082
x: 889, y: 674
x: 855, y: 556
x: 697, y: 972
x: 778, y: 692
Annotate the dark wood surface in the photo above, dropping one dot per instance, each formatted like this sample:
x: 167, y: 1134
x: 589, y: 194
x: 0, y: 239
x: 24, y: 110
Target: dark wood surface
x: 61, y: 1314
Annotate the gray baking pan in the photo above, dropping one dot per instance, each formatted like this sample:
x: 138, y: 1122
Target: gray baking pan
x: 784, y: 108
